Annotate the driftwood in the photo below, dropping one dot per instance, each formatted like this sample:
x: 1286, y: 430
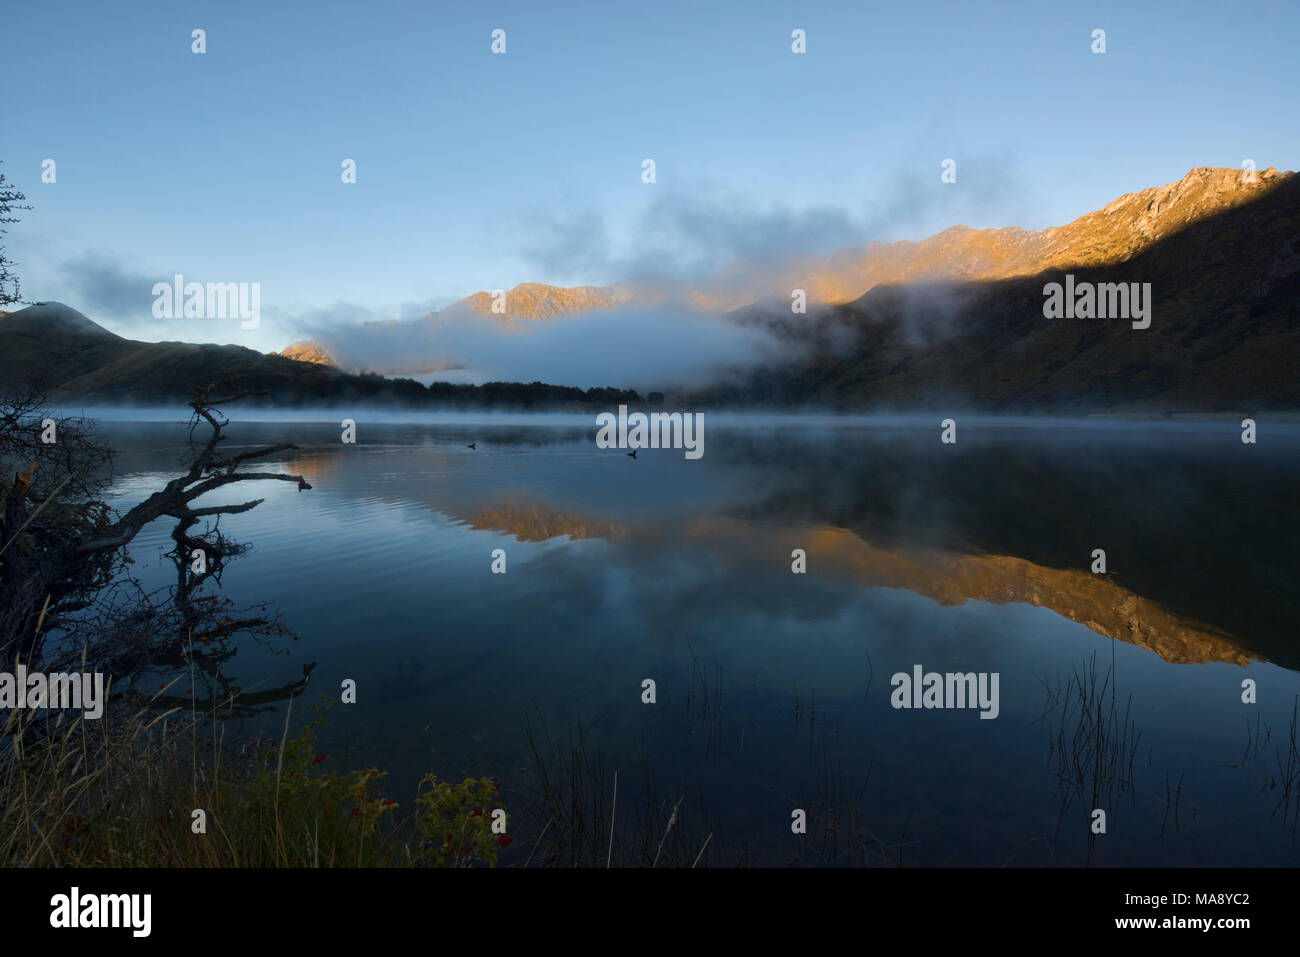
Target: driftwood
x: 63, y: 564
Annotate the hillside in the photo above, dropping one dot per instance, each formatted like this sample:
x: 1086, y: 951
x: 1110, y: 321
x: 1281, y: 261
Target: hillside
x: 68, y: 356
x: 1116, y: 233
x: 955, y: 320
x: 1224, y: 333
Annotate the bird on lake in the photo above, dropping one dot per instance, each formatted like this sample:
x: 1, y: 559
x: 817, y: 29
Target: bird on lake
x: 632, y: 454
x: 472, y: 445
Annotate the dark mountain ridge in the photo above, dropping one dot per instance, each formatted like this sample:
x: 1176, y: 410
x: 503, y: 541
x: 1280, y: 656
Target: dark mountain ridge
x: 1224, y: 333
x: 67, y: 356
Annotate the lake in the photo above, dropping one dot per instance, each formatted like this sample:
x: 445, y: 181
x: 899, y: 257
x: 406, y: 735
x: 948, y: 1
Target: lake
x: 774, y: 690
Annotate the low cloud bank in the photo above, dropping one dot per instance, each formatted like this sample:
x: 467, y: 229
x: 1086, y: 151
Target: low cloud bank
x: 643, y: 349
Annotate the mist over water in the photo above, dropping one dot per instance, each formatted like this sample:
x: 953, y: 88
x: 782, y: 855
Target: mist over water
x: 1282, y: 425
x: 966, y: 558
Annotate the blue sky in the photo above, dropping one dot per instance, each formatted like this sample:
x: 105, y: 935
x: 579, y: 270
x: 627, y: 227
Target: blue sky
x: 477, y: 171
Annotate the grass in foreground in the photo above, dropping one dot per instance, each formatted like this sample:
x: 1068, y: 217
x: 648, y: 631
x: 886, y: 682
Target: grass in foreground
x: 80, y: 793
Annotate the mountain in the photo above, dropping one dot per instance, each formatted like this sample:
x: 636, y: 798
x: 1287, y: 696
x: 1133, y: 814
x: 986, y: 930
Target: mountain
x: 1223, y: 267
x: 1110, y: 235
x: 1117, y: 232
x: 69, y: 357
x: 526, y: 301
x: 54, y: 343
x: 1114, y: 234
x: 956, y: 320
x: 307, y: 352
x: 535, y: 300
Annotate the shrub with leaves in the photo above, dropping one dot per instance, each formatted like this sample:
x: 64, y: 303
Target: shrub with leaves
x: 299, y: 811
x: 455, y: 822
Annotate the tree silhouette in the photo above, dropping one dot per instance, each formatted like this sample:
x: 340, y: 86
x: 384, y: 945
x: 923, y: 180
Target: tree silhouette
x: 11, y: 201
x: 69, y: 600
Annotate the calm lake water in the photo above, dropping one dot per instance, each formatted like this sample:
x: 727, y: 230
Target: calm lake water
x: 774, y: 688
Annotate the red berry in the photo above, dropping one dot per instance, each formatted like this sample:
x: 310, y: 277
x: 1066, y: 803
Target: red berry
x: 505, y: 839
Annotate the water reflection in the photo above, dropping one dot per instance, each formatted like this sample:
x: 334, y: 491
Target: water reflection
x: 966, y: 558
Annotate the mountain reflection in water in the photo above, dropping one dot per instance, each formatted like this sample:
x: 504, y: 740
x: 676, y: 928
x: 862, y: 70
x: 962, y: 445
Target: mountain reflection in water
x: 966, y: 558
